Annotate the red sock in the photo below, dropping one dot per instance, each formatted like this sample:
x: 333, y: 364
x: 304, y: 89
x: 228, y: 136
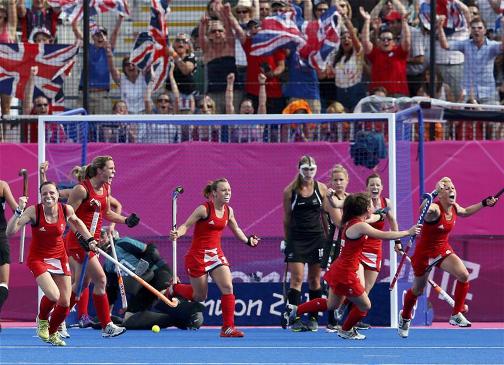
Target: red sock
x: 46, y: 305
x: 82, y: 305
x: 313, y: 306
x: 228, y: 308
x: 102, y: 308
x: 354, y: 316
x: 183, y: 290
x: 409, y: 302
x: 461, y: 290
x: 57, y: 317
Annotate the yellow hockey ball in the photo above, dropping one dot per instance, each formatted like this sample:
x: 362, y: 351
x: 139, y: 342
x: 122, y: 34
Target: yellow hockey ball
x: 156, y: 328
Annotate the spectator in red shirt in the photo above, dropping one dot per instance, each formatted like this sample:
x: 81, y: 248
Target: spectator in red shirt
x: 388, y: 60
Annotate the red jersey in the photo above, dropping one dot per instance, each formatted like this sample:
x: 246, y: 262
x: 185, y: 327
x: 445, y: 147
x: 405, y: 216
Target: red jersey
x: 47, y: 238
x: 208, y: 232
x: 349, y: 258
x: 434, y: 235
x: 389, y: 70
x: 87, y: 209
x: 372, y: 242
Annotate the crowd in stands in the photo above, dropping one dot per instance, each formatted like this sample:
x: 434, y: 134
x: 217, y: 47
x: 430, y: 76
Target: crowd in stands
x: 384, y: 50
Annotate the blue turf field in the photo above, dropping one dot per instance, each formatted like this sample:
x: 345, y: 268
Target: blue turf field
x: 260, y: 346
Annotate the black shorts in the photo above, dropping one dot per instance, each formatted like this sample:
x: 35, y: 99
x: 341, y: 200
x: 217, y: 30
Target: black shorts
x: 4, y: 250
x: 307, y: 250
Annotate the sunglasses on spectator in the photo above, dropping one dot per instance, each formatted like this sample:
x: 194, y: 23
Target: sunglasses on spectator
x: 209, y: 106
x: 217, y: 31
x: 386, y: 39
x: 181, y: 40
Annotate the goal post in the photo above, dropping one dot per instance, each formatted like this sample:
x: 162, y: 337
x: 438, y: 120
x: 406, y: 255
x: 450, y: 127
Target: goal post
x: 248, y: 160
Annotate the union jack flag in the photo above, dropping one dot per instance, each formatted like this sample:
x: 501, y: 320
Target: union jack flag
x: 455, y: 20
x: 149, y: 51
x: 319, y: 39
x: 73, y: 8
x: 54, y: 62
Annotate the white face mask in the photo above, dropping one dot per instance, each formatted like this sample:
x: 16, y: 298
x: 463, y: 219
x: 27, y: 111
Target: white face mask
x: 307, y: 171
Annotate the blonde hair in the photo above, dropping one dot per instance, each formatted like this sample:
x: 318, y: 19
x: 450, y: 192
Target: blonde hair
x: 335, y: 108
x: 98, y: 163
x: 212, y: 186
x: 338, y: 168
x: 79, y: 172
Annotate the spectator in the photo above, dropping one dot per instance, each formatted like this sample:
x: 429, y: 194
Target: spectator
x: 184, y: 62
x: 480, y: 54
x: 297, y: 132
x: 40, y: 15
x: 347, y: 68
x: 241, y: 133
x: 131, y: 82
x: 388, y: 60
x: 217, y: 43
x: 264, y: 9
x: 206, y: 105
x: 270, y: 65
x: 99, y: 78
x: 41, y: 35
x: 8, y: 24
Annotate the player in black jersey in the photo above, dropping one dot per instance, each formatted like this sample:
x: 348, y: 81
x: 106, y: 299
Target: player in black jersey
x: 304, y: 201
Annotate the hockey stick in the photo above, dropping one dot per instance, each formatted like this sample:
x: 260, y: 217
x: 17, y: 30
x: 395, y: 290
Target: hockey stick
x: 178, y: 191
x: 501, y: 191
x: 172, y: 303
x: 122, y: 290
x: 24, y: 174
x: 92, y: 230
x: 428, y: 198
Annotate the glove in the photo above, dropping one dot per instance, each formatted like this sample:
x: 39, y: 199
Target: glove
x: 485, y: 203
x: 283, y: 246
x: 87, y: 244
x: 132, y: 220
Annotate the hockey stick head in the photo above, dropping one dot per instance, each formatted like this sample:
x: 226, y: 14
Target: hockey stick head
x: 24, y: 174
x: 177, y: 191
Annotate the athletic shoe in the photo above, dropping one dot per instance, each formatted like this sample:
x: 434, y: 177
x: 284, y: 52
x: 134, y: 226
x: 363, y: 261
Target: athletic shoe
x: 62, y: 330
x: 111, y: 330
x: 459, y: 320
x: 403, y: 327
x: 339, y: 312
x: 362, y: 326
x: 85, y: 321
x: 43, y: 329
x: 350, y: 335
x: 331, y: 328
x: 56, y: 340
x: 312, y: 324
x: 231, y: 332
x: 289, y: 315
x: 298, y: 325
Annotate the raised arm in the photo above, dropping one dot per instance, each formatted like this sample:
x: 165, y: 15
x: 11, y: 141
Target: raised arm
x: 263, y: 97
x: 114, y: 72
x: 115, y: 32
x: 366, y: 42
x: 21, y: 217
x: 174, y: 89
x: 405, y: 34
x: 238, y: 31
x: 43, y: 172
x: 21, y: 8
x: 12, y: 18
x: 229, y: 94
x: 28, y: 92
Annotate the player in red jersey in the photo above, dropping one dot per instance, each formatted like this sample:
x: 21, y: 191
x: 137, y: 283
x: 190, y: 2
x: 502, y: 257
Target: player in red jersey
x: 85, y: 196
x: 205, y: 257
x: 343, y: 277
x: 47, y: 259
x: 433, y: 248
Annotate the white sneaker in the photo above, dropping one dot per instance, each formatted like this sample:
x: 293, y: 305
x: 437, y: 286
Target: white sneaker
x: 403, y: 327
x: 289, y: 315
x: 351, y: 335
x: 111, y: 330
x: 331, y: 328
x: 62, y: 330
x: 459, y: 320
